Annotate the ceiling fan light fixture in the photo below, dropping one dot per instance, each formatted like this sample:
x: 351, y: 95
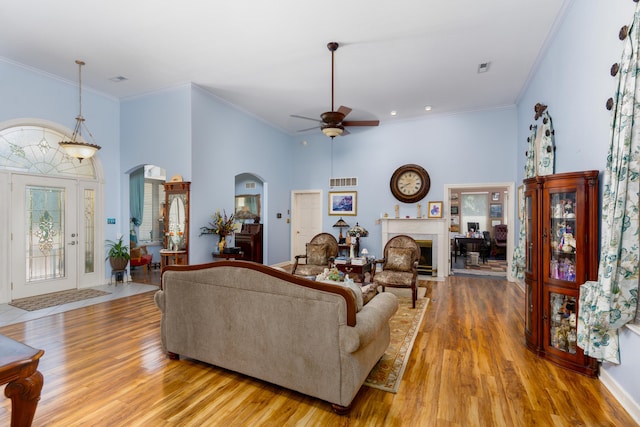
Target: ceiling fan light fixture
x: 77, y: 147
x: 332, y: 132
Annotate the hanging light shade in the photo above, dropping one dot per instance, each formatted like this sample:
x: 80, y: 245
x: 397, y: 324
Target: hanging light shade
x: 77, y: 147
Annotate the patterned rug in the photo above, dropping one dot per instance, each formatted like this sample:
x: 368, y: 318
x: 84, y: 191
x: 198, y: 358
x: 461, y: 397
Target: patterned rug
x: 56, y: 298
x: 405, y: 323
x: 493, y: 267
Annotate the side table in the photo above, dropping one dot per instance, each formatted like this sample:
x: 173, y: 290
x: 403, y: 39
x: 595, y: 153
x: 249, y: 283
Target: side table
x: 168, y: 257
x: 19, y: 370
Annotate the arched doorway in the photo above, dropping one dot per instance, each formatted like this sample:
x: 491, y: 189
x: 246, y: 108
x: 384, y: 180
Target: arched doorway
x: 50, y: 227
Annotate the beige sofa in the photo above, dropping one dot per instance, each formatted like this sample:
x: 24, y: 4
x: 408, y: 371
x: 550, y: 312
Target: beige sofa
x: 274, y: 326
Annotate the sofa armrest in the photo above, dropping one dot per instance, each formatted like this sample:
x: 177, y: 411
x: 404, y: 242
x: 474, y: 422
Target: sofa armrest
x: 369, y: 321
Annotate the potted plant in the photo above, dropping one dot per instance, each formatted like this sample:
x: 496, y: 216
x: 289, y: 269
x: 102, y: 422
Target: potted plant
x: 118, y: 254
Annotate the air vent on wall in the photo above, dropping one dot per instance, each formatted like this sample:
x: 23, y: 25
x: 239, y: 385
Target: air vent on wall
x: 343, y: 182
x: 249, y: 185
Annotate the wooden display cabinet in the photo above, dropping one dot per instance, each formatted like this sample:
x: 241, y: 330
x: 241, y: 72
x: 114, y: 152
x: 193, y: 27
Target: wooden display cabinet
x: 176, y: 226
x: 561, y: 253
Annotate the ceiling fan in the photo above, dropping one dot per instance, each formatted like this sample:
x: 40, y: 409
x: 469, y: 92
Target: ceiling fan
x: 332, y: 122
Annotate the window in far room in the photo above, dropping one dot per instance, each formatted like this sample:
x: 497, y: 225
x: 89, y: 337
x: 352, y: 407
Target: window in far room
x: 151, y: 227
x: 474, y: 210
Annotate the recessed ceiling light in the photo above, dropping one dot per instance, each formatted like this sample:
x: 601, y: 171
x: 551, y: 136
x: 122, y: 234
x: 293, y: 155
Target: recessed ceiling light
x: 394, y: 113
x: 427, y: 108
x: 483, y: 67
x: 118, y: 79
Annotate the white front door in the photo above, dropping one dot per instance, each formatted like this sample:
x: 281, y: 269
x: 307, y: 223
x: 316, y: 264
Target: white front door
x: 44, y: 244
x: 306, y: 219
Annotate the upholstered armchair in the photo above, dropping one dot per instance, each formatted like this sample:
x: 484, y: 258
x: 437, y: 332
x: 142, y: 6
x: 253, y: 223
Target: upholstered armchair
x: 140, y: 258
x: 500, y: 239
x: 320, y: 253
x: 399, y: 265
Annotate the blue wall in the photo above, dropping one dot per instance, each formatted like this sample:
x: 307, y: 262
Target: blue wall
x: 188, y: 131
x: 574, y: 80
x: 477, y: 147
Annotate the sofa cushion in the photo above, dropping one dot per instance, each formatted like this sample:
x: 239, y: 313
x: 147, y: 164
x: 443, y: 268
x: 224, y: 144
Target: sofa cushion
x: 399, y: 259
x: 317, y: 254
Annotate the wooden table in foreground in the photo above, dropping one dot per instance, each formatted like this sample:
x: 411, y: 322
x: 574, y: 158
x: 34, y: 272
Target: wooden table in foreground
x: 18, y: 369
x: 357, y: 272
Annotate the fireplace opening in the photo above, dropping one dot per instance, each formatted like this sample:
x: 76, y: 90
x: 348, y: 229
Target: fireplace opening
x: 425, y: 265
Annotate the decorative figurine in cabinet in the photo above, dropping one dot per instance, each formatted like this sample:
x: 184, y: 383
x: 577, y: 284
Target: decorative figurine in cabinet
x: 561, y: 232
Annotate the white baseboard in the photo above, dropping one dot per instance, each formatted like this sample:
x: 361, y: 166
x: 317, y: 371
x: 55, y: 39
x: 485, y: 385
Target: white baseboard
x: 632, y: 407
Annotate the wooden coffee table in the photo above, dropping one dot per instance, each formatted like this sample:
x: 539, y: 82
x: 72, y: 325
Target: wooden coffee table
x: 357, y: 272
x: 18, y: 369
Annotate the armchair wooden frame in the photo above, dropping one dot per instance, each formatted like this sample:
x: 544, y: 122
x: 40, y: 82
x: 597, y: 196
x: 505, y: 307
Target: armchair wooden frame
x: 332, y: 251
x: 399, y: 279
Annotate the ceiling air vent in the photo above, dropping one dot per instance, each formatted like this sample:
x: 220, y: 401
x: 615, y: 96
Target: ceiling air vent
x: 343, y: 182
x: 249, y: 185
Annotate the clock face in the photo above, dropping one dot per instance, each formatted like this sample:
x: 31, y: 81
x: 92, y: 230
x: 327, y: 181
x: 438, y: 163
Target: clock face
x: 410, y: 183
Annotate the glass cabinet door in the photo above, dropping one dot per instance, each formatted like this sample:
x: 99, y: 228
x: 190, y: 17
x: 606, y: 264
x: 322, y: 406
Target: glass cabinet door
x: 562, y: 311
x: 563, y: 247
x: 530, y: 233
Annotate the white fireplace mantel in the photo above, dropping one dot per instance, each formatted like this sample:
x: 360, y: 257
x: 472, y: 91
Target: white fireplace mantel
x: 420, y: 229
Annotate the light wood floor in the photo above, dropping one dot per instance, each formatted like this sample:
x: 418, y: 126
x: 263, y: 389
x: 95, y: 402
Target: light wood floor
x: 103, y: 366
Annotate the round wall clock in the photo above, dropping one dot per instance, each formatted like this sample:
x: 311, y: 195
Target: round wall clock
x: 410, y: 183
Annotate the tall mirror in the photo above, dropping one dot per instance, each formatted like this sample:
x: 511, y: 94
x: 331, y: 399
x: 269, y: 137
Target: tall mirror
x: 176, y: 232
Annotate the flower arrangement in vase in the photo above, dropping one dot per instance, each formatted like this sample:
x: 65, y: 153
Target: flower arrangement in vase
x: 221, y: 224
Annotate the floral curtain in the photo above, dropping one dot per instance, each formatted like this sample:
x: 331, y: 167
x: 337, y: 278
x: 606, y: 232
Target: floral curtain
x: 609, y: 303
x: 518, y: 264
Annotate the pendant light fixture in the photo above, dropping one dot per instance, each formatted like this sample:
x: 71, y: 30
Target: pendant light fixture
x: 77, y: 147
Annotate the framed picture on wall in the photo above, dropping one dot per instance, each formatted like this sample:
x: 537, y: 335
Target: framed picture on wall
x: 343, y: 202
x: 495, y: 210
x: 454, y: 210
x: 495, y: 196
x: 435, y: 210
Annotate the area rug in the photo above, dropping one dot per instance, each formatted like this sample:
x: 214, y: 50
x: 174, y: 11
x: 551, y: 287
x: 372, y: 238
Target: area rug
x: 493, y: 267
x: 405, y: 324
x: 56, y: 298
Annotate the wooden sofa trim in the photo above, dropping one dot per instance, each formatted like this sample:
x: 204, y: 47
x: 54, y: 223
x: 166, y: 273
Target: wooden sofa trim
x: 283, y: 275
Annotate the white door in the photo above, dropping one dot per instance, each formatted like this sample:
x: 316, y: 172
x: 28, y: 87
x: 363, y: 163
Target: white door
x: 44, y: 255
x: 306, y: 219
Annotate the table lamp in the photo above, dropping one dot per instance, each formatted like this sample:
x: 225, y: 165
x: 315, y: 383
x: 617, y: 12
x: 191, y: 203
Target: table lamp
x: 341, y: 224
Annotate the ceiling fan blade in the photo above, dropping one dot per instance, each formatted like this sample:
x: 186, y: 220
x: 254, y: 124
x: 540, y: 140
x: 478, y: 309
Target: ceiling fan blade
x: 344, y: 132
x: 304, y: 130
x: 344, y: 110
x: 306, y: 118
x: 362, y: 123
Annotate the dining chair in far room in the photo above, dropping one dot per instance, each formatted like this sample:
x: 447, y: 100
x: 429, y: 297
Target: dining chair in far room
x: 500, y: 240
x: 399, y: 265
x: 485, y: 248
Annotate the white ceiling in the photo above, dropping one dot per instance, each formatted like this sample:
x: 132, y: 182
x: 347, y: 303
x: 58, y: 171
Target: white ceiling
x: 270, y: 58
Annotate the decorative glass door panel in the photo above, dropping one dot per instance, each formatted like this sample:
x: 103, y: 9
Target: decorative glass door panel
x: 563, y: 310
x: 530, y: 234
x: 563, y: 240
x: 44, y: 233
x: 44, y: 244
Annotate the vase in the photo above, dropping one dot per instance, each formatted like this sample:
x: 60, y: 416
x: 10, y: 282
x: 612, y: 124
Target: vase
x: 221, y: 244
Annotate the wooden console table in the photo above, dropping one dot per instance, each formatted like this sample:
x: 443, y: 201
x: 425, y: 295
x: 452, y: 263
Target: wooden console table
x: 168, y: 257
x: 18, y: 369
